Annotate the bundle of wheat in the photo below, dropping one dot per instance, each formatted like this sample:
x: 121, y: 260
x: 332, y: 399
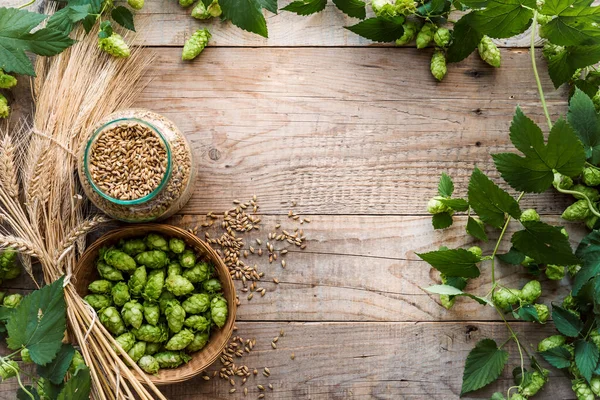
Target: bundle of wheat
x: 41, y: 206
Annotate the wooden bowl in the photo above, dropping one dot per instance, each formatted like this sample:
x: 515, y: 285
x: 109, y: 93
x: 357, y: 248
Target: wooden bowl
x: 86, y: 272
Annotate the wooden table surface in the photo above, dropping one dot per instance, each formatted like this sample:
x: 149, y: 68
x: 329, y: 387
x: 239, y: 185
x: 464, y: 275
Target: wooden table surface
x: 356, y: 135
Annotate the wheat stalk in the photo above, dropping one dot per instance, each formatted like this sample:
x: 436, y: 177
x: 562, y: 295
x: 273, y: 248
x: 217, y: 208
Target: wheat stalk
x: 72, y: 92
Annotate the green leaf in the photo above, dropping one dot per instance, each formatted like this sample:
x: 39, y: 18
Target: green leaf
x: 528, y: 313
x: 269, y: 5
x: 21, y: 395
x: 503, y: 18
x: 441, y: 220
x: 39, y: 323
x: 454, y: 262
x: 452, y: 291
x: 475, y: 4
x: 589, y: 252
x: 306, y: 7
x: 352, y: 8
x: 558, y: 357
x: 535, y: 172
x: 379, y: 29
x: 566, y: 322
x: 583, y: 118
x: 489, y: 201
x: 78, y: 387
x: 476, y: 230
x: 586, y: 358
x: 15, y: 39
x: 64, y: 19
x: 466, y: 39
x: 513, y: 257
x: 245, y: 14
x: 55, y: 371
x: 576, y: 22
x: 457, y: 282
x: 456, y: 204
x: 562, y: 67
x: 446, y: 186
x: 122, y: 16
x: 434, y: 8
x: 483, y: 366
x: 544, y: 243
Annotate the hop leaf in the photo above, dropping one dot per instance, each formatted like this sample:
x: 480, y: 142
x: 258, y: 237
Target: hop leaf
x: 484, y: 365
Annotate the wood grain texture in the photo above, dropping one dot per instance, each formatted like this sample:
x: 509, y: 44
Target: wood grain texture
x: 364, y: 361
x: 165, y: 23
x: 361, y: 131
x: 364, y: 268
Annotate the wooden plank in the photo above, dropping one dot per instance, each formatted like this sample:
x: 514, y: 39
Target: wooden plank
x: 361, y: 131
x: 165, y: 23
x: 363, y: 268
x: 364, y: 361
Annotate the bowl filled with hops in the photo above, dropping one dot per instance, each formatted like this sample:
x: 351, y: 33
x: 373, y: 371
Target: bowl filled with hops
x: 164, y: 295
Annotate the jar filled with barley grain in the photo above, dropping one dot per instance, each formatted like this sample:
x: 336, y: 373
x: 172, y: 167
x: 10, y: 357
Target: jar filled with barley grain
x: 137, y: 166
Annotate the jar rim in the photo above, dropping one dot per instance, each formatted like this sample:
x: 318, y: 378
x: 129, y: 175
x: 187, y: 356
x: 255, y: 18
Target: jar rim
x: 150, y: 195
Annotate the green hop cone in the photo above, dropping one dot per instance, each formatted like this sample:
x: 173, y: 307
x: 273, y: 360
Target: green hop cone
x: 126, y: 341
x: 155, y: 241
x: 589, y: 192
x: 531, y: 291
x: 180, y: 340
x: 447, y: 301
x: 577, y: 211
x: 562, y: 181
x: 555, y: 272
x: 435, y: 206
x: 120, y: 294
x: 596, y: 100
x: 489, y: 52
x: 153, y: 348
x: 573, y: 269
x: 100, y: 286
x: 114, y: 45
x: 76, y: 362
x: 199, y: 273
x: 111, y: 319
x: 171, y: 359
x: 98, y: 301
x: 517, y: 396
x: 529, y: 215
x: 4, y: 108
x: 442, y: 37
x: 551, y: 51
x: 149, y: 364
x: 543, y: 19
x: 12, y: 300
x: 7, y: 81
x: 551, y: 342
x: 197, y: 323
x: 199, y: 11
x: 137, y: 351
x: 133, y: 313
x: 151, y: 312
x: 384, y: 8
x: 504, y: 298
x: 136, y: 4
x: 569, y: 303
x: 154, y: 285
x: 405, y: 7
x: 120, y: 260
x: 196, y: 303
x: 195, y: 44
x: 591, y: 221
x: 178, y: 285
x: 25, y: 357
x: 187, y: 259
x: 535, y: 383
x: 214, y: 10
x: 582, y: 390
x: 137, y: 281
x: 410, y: 31
x: 174, y: 269
x: 165, y: 299
x: 476, y: 250
x: 151, y: 333
x: 591, y: 176
x: 542, y: 312
x: 595, y: 385
x: 218, y: 311
x: 177, y: 246
x: 595, y: 337
x: 187, y: 3
x: 133, y: 247
x: 8, y: 369
x: 438, y: 65
x: 200, y: 340
x: 108, y: 272
x: 425, y: 36
x: 212, y: 286
x: 153, y: 259
x: 175, y: 316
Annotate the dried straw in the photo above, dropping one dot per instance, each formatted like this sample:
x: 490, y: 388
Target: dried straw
x: 72, y: 92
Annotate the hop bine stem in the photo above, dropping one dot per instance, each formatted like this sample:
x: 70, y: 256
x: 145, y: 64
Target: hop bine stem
x: 535, y: 71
